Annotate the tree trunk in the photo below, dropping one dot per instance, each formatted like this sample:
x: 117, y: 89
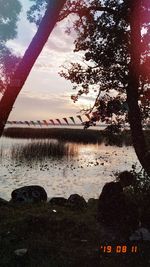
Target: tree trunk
x: 19, y: 77
x: 134, y: 115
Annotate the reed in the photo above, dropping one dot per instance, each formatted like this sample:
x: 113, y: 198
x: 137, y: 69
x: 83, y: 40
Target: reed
x: 1, y: 152
x: 43, y: 149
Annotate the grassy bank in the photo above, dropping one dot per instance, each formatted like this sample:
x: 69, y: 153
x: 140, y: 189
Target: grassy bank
x: 74, y: 135
x: 65, y: 238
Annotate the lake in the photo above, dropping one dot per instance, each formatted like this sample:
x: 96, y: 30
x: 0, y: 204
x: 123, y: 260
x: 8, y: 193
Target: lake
x: 84, y: 173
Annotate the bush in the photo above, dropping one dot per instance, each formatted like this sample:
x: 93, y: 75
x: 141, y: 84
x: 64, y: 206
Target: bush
x: 139, y: 194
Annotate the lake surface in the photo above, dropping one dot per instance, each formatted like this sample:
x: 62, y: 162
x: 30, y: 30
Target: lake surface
x: 85, y: 173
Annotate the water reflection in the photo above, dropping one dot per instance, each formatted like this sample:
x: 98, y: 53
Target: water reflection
x: 84, y: 171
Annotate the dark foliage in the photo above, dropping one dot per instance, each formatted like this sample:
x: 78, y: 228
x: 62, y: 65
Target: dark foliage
x: 9, y: 13
x: 104, y: 36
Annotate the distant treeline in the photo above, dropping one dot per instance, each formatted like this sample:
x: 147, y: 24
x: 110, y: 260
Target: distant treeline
x: 74, y: 135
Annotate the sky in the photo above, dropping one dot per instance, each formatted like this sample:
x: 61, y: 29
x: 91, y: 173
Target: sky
x: 45, y: 94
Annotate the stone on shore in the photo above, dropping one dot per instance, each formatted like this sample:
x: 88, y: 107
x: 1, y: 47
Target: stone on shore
x: 76, y: 201
x: 29, y: 194
x: 60, y: 201
x: 20, y: 252
x: 92, y: 202
x: 3, y: 202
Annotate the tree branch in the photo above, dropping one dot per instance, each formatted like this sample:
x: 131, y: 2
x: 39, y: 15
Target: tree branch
x: 85, y: 11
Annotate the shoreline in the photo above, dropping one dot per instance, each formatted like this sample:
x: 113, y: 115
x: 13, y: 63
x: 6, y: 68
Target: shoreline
x: 89, y: 136
x: 55, y: 236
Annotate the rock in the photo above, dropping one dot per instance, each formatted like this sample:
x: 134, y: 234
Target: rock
x: 60, y: 201
x: 29, y: 194
x: 54, y: 211
x: 92, y: 203
x: 140, y: 235
x: 3, y: 202
x: 21, y: 252
x: 76, y: 201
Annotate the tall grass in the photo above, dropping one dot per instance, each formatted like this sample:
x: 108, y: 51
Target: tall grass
x: 41, y: 150
x: 1, y: 152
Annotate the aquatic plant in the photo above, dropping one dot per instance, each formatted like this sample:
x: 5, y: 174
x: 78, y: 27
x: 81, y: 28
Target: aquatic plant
x: 41, y: 149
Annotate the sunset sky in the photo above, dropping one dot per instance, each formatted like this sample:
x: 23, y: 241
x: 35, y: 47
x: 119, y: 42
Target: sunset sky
x: 45, y: 94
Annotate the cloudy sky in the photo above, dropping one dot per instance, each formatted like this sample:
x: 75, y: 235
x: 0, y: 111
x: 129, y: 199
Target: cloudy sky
x: 45, y: 94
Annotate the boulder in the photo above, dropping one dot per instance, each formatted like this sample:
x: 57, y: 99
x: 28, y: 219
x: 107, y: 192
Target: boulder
x: 140, y: 235
x: 76, y: 201
x: 3, y: 202
x: 92, y: 203
x: 60, y: 201
x: 29, y: 194
x: 20, y: 252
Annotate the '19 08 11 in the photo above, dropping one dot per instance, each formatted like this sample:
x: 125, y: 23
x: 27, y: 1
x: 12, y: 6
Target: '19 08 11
x: 118, y: 249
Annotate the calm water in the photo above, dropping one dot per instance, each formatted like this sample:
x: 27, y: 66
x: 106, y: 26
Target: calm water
x: 85, y: 174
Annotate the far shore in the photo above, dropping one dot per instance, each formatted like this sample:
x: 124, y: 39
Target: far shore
x: 74, y: 135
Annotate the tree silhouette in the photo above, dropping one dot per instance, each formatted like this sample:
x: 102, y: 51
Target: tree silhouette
x: 9, y: 13
x: 19, y: 74
x: 116, y: 56
x: 115, y: 38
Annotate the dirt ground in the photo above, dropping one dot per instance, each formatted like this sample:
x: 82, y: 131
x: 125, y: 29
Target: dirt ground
x: 55, y: 236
